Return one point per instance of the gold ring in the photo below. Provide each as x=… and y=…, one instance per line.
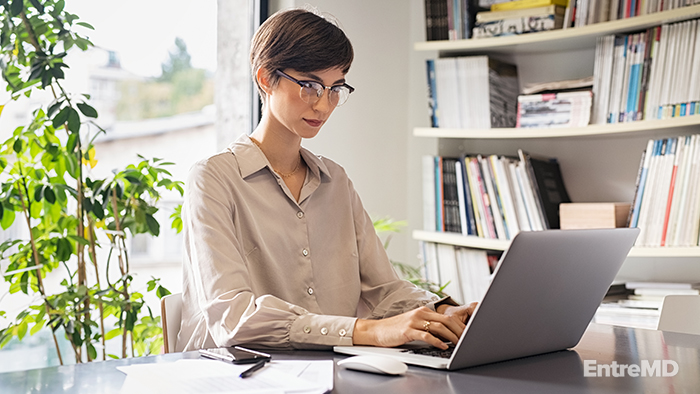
x=426, y=326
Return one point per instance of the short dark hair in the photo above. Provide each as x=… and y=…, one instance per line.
x=300, y=40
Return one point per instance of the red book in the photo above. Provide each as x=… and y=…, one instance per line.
x=670, y=192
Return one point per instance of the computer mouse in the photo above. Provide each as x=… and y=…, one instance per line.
x=375, y=364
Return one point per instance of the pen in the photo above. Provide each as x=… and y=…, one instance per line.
x=248, y=372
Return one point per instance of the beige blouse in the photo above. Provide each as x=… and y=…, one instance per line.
x=261, y=268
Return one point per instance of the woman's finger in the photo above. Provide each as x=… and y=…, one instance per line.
x=442, y=332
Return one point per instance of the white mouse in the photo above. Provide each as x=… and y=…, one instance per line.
x=374, y=364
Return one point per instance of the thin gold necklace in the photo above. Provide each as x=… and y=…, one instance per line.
x=294, y=171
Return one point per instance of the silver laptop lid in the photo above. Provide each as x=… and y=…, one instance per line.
x=545, y=291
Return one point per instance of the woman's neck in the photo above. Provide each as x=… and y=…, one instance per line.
x=281, y=147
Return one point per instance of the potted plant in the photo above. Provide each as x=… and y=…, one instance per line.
x=70, y=218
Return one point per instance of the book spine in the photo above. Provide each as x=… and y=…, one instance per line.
x=432, y=93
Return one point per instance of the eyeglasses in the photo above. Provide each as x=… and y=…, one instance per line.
x=312, y=91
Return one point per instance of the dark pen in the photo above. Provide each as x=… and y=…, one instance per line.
x=248, y=372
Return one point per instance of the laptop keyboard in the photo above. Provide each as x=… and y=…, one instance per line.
x=432, y=352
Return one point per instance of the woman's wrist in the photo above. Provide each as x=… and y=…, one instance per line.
x=361, y=332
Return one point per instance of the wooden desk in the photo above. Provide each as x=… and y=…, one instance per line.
x=560, y=372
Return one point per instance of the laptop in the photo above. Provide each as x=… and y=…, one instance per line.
x=544, y=293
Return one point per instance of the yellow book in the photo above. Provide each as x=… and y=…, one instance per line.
x=521, y=4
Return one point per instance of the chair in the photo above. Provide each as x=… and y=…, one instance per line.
x=680, y=313
x=171, y=314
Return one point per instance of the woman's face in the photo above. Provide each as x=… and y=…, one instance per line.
x=289, y=110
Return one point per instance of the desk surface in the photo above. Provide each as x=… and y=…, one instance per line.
x=560, y=372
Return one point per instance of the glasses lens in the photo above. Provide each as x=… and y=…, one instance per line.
x=311, y=91
x=339, y=95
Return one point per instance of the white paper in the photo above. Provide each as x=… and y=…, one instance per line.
x=212, y=376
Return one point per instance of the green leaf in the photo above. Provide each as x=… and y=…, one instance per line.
x=22, y=328
x=17, y=7
x=79, y=240
x=53, y=108
x=153, y=225
x=38, y=326
x=49, y=195
x=2, y=211
x=38, y=193
x=72, y=142
x=85, y=24
x=64, y=249
x=8, y=218
x=162, y=292
x=98, y=211
x=73, y=120
x=39, y=6
x=61, y=117
x=87, y=110
x=92, y=353
x=17, y=146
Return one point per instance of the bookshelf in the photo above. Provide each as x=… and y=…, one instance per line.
x=500, y=245
x=599, y=162
x=558, y=40
x=667, y=126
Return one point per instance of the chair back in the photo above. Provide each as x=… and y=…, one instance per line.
x=680, y=313
x=171, y=313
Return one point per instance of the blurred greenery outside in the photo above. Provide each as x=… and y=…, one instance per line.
x=181, y=88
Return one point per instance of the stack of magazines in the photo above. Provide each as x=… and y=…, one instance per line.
x=557, y=104
x=520, y=17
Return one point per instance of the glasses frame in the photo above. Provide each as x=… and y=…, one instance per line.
x=303, y=84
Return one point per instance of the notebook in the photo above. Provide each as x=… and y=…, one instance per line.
x=544, y=293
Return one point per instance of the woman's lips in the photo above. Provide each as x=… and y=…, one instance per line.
x=313, y=122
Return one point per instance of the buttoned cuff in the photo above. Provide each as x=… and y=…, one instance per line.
x=322, y=330
x=445, y=300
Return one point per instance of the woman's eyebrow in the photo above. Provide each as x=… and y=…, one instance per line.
x=318, y=79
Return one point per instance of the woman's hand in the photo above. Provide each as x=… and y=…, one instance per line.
x=419, y=324
x=463, y=312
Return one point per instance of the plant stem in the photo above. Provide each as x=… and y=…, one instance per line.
x=30, y=32
x=93, y=255
x=35, y=252
x=125, y=291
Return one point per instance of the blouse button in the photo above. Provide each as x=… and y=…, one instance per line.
x=305, y=252
x=310, y=291
x=342, y=332
x=307, y=329
x=324, y=331
x=300, y=214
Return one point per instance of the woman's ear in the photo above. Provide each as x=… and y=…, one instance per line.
x=264, y=80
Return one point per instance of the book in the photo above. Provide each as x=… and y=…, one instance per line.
x=548, y=184
x=433, y=110
x=586, y=83
x=476, y=92
x=486, y=16
x=520, y=4
x=518, y=25
x=567, y=109
x=429, y=195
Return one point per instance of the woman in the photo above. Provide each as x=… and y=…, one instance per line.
x=279, y=250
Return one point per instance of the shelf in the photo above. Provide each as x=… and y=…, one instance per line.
x=559, y=132
x=500, y=245
x=461, y=240
x=558, y=40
